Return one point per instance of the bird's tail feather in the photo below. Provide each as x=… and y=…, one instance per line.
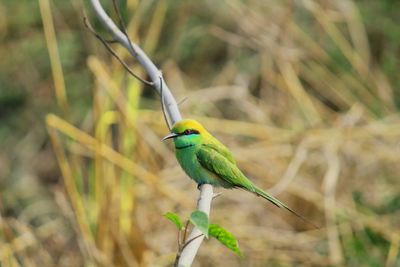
x=276, y=202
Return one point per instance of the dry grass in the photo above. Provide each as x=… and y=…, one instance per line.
x=295, y=97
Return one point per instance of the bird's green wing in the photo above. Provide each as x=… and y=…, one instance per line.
x=219, y=164
x=215, y=162
x=229, y=173
x=221, y=149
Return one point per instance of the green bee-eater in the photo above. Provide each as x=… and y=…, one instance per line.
x=208, y=161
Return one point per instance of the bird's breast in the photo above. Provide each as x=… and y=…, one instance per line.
x=190, y=164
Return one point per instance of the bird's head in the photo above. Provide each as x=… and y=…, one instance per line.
x=186, y=133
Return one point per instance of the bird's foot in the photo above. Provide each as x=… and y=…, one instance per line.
x=198, y=186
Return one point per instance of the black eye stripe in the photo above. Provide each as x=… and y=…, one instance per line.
x=190, y=131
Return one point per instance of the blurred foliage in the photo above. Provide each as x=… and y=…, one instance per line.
x=306, y=93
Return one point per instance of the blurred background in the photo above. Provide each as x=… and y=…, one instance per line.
x=305, y=93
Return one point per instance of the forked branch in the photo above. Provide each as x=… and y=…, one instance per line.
x=169, y=106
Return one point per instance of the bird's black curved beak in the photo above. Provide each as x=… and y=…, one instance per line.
x=169, y=136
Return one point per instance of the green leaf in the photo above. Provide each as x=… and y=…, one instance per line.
x=175, y=219
x=200, y=220
x=225, y=237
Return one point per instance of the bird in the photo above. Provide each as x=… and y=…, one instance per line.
x=207, y=161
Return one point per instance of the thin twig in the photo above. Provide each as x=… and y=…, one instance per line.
x=186, y=230
x=112, y=41
x=191, y=240
x=180, y=239
x=163, y=105
x=182, y=100
x=178, y=255
x=217, y=195
x=112, y=52
x=122, y=26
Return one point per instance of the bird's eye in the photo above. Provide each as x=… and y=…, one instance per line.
x=190, y=131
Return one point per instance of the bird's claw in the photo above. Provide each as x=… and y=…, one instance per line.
x=198, y=186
